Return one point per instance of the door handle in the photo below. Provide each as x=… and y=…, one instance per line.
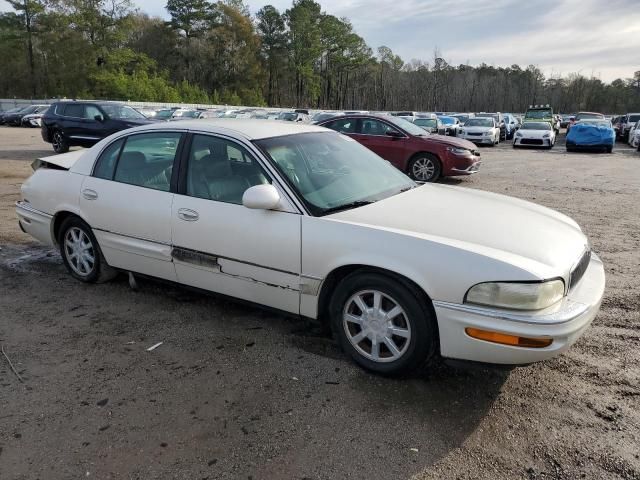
x=89, y=194
x=188, y=215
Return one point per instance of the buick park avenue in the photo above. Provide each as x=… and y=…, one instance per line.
x=308, y=221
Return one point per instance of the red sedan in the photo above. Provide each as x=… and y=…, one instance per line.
x=421, y=155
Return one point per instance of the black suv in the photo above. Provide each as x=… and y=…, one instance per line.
x=84, y=124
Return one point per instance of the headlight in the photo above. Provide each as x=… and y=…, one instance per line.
x=461, y=132
x=546, y=135
x=458, y=151
x=516, y=296
x=519, y=134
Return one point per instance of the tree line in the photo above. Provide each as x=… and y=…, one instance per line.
x=219, y=53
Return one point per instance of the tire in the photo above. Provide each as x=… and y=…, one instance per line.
x=425, y=167
x=60, y=144
x=88, y=265
x=416, y=337
x=609, y=149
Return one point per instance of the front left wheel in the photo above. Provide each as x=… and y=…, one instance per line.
x=81, y=253
x=425, y=168
x=384, y=324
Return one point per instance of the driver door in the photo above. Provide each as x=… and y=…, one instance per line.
x=373, y=135
x=221, y=245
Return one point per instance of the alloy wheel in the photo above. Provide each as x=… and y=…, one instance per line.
x=423, y=169
x=376, y=325
x=79, y=251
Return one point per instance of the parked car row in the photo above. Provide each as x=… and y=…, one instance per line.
x=29, y=116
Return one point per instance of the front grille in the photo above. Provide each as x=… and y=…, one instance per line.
x=474, y=134
x=531, y=141
x=578, y=272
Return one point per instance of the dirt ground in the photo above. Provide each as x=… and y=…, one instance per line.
x=238, y=393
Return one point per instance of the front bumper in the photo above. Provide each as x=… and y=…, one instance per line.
x=477, y=139
x=34, y=222
x=470, y=170
x=565, y=324
x=546, y=142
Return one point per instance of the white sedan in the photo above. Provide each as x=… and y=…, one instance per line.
x=308, y=221
x=481, y=130
x=535, y=134
x=634, y=135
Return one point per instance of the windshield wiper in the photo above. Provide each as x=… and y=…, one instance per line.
x=347, y=206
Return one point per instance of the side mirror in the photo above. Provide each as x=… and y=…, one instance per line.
x=393, y=134
x=261, y=197
x=98, y=118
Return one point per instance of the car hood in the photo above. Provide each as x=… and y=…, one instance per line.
x=535, y=238
x=451, y=141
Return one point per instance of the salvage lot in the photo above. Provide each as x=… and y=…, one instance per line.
x=236, y=392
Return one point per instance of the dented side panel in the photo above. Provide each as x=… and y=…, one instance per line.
x=249, y=254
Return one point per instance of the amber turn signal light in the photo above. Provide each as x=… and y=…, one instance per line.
x=504, y=339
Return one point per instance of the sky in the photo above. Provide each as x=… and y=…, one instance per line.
x=591, y=37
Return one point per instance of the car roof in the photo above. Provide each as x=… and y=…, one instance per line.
x=252, y=129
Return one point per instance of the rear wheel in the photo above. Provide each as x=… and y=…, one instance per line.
x=81, y=253
x=425, y=168
x=383, y=324
x=60, y=144
x=609, y=149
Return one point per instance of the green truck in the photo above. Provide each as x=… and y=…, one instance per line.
x=541, y=113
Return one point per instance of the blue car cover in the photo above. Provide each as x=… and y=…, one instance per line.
x=591, y=134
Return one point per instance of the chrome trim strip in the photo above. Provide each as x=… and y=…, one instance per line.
x=82, y=137
x=29, y=208
x=471, y=169
x=570, y=312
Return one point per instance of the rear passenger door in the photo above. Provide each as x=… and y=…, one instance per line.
x=373, y=135
x=127, y=201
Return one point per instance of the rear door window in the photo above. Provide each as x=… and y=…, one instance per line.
x=106, y=164
x=147, y=160
x=74, y=110
x=343, y=125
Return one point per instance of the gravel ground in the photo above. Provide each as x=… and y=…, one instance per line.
x=238, y=393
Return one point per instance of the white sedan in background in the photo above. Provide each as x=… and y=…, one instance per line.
x=634, y=135
x=481, y=130
x=310, y=222
x=535, y=134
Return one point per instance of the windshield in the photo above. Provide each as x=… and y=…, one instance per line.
x=496, y=117
x=582, y=116
x=447, y=120
x=407, y=126
x=462, y=118
x=633, y=118
x=290, y=116
x=164, y=114
x=319, y=117
x=122, y=111
x=426, y=122
x=539, y=114
x=596, y=122
x=330, y=171
x=479, y=122
x=191, y=114
x=536, y=126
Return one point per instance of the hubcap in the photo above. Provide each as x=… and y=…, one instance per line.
x=423, y=169
x=79, y=251
x=376, y=325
